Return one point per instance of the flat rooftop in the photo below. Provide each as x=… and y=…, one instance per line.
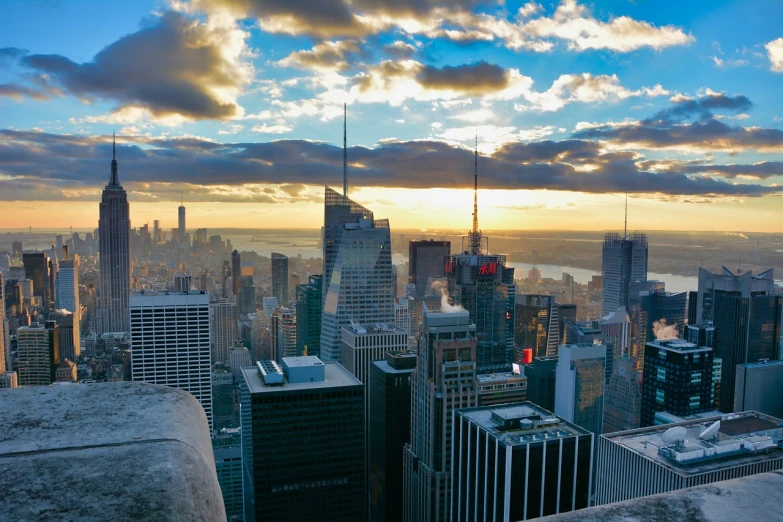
x=678, y=345
x=499, y=378
x=731, y=446
x=336, y=377
x=388, y=368
x=521, y=423
x=377, y=328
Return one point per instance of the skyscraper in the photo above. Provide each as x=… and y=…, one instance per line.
x=677, y=379
x=358, y=281
x=181, y=221
x=759, y=387
x=308, y=316
x=227, y=448
x=518, y=462
x=390, y=430
x=36, y=269
x=579, y=390
x=285, y=334
x=481, y=283
x=236, y=274
x=303, y=424
x=623, y=401
x=115, y=269
x=224, y=329
x=444, y=380
x=623, y=261
x=70, y=341
x=536, y=321
x=426, y=261
x=38, y=349
x=746, y=315
x=280, y=277
x=170, y=335
x=541, y=376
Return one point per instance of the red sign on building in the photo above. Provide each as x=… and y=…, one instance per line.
x=527, y=355
x=488, y=268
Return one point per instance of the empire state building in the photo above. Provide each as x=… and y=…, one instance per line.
x=115, y=269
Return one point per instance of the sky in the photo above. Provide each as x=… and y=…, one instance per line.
x=236, y=107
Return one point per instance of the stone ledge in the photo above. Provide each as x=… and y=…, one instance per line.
x=108, y=451
x=755, y=497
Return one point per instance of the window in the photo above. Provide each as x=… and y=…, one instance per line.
x=661, y=374
x=659, y=396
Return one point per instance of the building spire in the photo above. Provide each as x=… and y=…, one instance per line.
x=625, y=228
x=345, y=150
x=475, y=235
x=114, y=181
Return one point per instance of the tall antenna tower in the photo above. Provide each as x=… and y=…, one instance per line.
x=345, y=150
x=475, y=235
x=625, y=227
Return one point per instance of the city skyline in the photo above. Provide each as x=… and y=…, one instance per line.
x=246, y=126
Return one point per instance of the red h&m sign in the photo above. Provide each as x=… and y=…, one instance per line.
x=489, y=268
x=527, y=355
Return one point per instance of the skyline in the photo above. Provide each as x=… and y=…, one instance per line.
x=236, y=107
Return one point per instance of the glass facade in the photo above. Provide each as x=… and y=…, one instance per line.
x=308, y=317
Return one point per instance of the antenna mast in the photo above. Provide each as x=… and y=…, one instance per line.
x=625, y=228
x=474, y=238
x=345, y=150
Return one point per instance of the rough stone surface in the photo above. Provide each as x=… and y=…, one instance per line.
x=106, y=451
x=756, y=497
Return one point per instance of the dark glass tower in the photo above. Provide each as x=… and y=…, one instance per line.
x=308, y=317
x=426, y=260
x=115, y=267
x=623, y=261
x=280, y=278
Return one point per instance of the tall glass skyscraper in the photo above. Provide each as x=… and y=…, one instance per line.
x=426, y=260
x=280, y=278
x=115, y=268
x=623, y=261
x=308, y=317
x=358, y=279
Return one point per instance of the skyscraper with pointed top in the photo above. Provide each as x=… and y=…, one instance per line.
x=181, y=220
x=484, y=286
x=358, y=283
x=115, y=269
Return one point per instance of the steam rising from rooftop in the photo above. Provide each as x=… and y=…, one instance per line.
x=663, y=331
x=440, y=287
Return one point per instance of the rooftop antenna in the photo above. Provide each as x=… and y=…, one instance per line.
x=345, y=150
x=475, y=236
x=114, y=181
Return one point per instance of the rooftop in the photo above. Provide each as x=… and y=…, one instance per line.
x=742, y=438
x=521, y=423
x=498, y=378
x=678, y=345
x=335, y=377
x=123, y=451
x=377, y=328
x=763, y=363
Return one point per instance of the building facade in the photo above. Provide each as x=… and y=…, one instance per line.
x=541, y=376
x=426, y=262
x=389, y=431
x=444, y=380
x=518, y=462
x=759, y=387
x=280, y=278
x=285, y=334
x=225, y=329
x=305, y=424
x=38, y=352
x=579, y=390
x=623, y=261
x=657, y=459
x=170, y=342
x=308, y=316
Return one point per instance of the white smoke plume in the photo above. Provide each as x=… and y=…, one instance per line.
x=662, y=331
x=440, y=287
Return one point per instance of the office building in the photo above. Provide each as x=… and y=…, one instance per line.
x=36, y=269
x=746, y=315
x=759, y=387
x=223, y=413
x=426, y=262
x=115, y=267
x=444, y=380
x=68, y=284
x=5, y=363
x=484, y=286
x=280, y=277
x=239, y=357
x=518, y=462
x=541, y=376
x=8, y=380
x=677, y=379
x=389, y=431
x=236, y=273
x=183, y=283
x=623, y=261
x=285, y=334
x=358, y=280
x=580, y=332
x=70, y=342
x=616, y=335
x=623, y=400
x=308, y=316
x=536, y=321
x=224, y=329
x=579, y=391
x=38, y=352
x=227, y=448
x=658, y=459
x=501, y=388
x=402, y=316
x=181, y=222
x=65, y=371
x=170, y=337
x=306, y=434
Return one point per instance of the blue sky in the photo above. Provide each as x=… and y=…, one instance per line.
x=237, y=105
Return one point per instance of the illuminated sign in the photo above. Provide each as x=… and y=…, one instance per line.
x=527, y=355
x=449, y=267
x=488, y=268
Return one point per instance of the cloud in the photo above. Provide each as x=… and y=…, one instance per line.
x=271, y=129
x=399, y=49
x=176, y=66
x=479, y=78
x=38, y=164
x=18, y=92
x=329, y=56
x=775, y=54
x=531, y=28
x=9, y=55
x=672, y=128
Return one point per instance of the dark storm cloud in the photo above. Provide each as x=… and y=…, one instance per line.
x=168, y=68
x=9, y=55
x=479, y=78
x=701, y=108
x=82, y=164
